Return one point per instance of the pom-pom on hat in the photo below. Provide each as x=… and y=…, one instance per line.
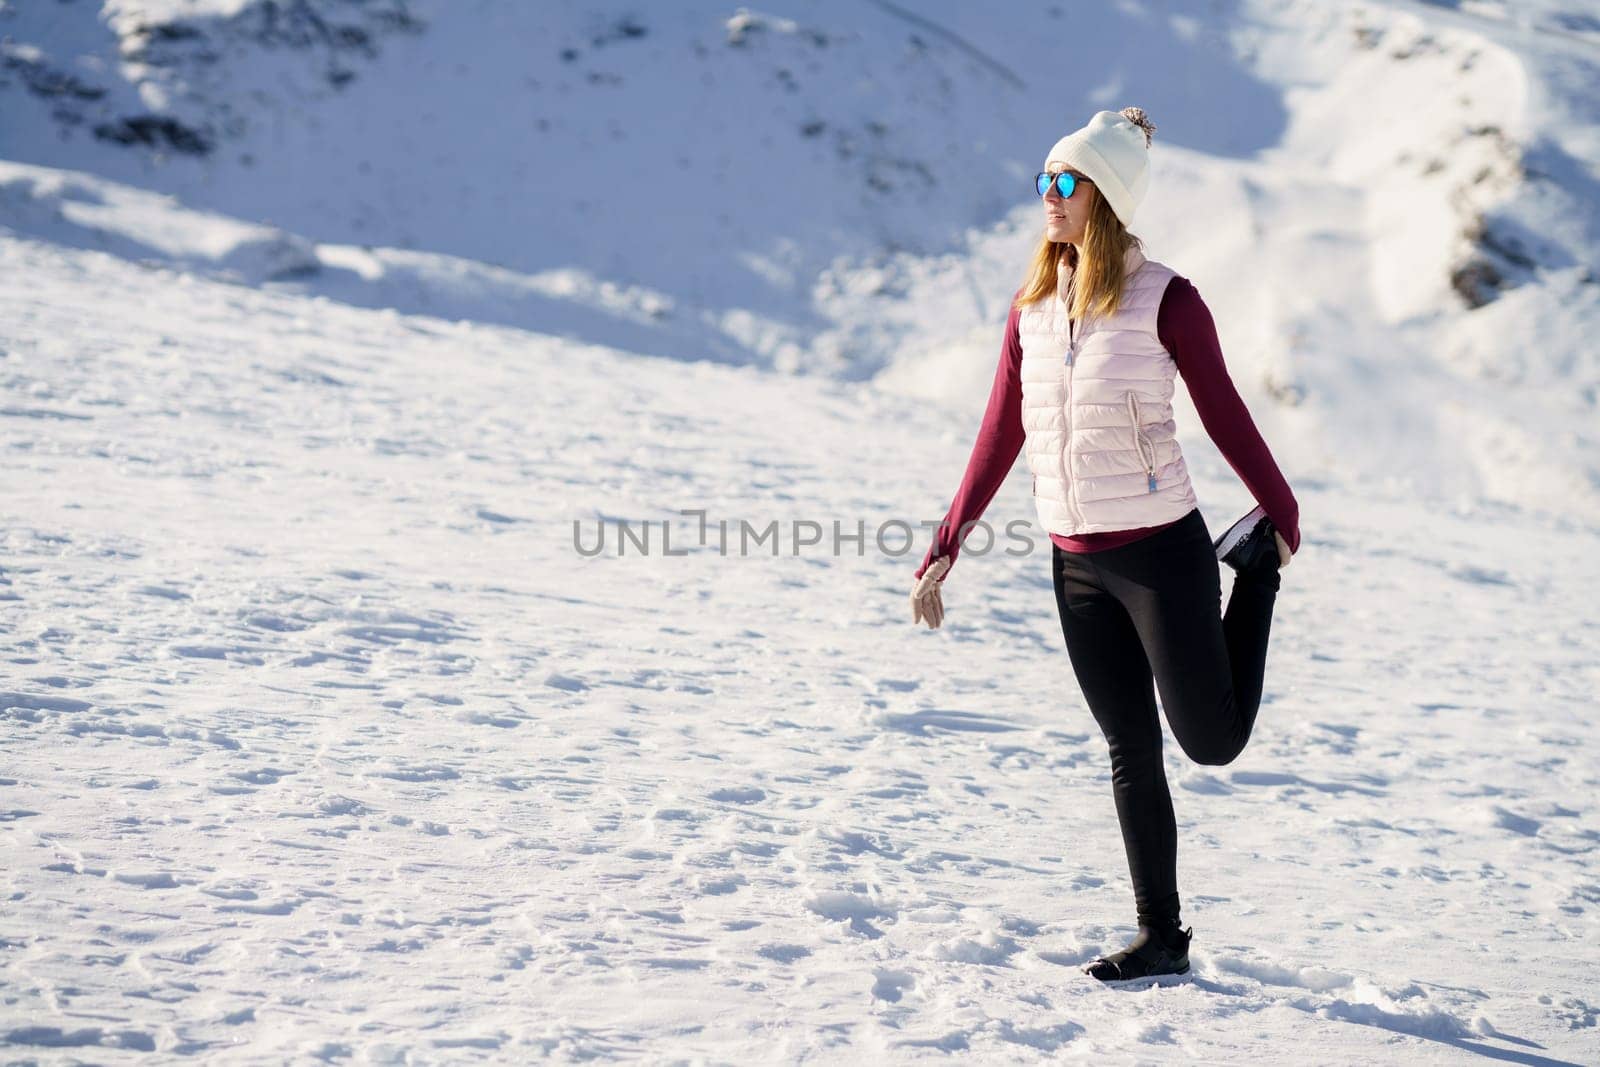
x=1113, y=151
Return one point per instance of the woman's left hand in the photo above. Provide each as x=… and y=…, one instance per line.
x=1284, y=555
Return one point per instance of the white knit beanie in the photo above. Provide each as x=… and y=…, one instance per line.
x=1113, y=151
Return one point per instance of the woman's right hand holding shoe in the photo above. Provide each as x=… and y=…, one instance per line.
x=927, y=602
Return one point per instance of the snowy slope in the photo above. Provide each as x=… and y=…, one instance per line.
x=1409, y=189
x=321, y=741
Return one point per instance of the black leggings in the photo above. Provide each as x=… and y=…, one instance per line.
x=1149, y=611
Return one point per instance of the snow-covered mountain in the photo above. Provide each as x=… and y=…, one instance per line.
x=1390, y=206
x=323, y=321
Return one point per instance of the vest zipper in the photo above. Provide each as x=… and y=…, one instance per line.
x=1141, y=443
x=1066, y=417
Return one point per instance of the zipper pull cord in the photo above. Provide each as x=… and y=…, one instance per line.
x=1066, y=300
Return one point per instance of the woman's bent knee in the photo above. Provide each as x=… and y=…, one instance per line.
x=1218, y=752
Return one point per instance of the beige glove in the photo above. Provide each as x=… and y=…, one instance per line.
x=927, y=602
x=1284, y=555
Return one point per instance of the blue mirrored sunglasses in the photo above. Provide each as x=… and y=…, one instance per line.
x=1065, y=183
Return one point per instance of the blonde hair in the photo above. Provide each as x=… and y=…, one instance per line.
x=1099, y=266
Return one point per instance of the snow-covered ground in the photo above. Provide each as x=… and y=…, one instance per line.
x=320, y=739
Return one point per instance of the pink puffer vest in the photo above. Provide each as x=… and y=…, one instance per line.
x=1097, y=409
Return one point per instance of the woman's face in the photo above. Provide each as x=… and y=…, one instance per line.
x=1064, y=220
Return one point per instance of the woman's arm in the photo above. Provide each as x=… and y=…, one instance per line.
x=1187, y=330
x=999, y=440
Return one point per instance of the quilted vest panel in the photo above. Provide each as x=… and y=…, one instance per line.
x=1097, y=410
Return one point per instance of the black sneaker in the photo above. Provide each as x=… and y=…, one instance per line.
x=1249, y=545
x=1147, y=955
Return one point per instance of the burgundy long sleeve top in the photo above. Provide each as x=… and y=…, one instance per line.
x=1187, y=331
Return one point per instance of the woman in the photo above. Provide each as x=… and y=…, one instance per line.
x=1094, y=340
